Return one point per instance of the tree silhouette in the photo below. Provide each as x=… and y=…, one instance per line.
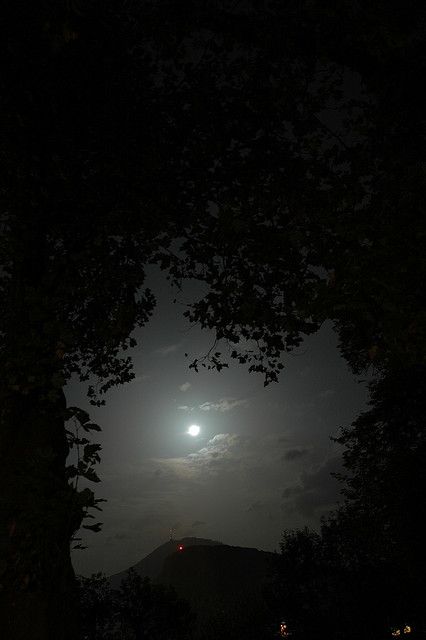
x=139, y=609
x=364, y=573
x=384, y=486
x=98, y=606
x=323, y=595
x=152, y=611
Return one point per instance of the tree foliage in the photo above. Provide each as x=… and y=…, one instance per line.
x=363, y=574
x=138, y=610
x=86, y=456
x=219, y=131
x=384, y=488
x=333, y=225
x=321, y=597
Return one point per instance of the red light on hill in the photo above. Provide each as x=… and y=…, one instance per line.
x=180, y=547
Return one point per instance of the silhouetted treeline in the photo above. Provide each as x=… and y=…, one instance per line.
x=138, y=610
x=364, y=574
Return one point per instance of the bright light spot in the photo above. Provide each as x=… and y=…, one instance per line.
x=194, y=430
x=180, y=547
x=407, y=628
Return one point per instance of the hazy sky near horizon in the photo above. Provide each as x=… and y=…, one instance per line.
x=261, y=462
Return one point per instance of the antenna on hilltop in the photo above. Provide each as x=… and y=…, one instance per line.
x=171, y=534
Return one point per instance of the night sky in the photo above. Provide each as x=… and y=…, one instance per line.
x=261, y=462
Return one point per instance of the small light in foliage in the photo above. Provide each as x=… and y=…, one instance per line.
x=396, y=633
x=284, y=632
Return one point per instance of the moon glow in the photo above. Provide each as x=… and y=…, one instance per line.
x=194, y=430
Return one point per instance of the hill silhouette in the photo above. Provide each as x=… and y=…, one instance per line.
x=223, y=584
x=152, y=565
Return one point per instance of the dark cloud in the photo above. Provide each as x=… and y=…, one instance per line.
x=122, y=535
x=168, y=349
x=292, y=490
x=256, y=507
x=316, y=493
x=148, y=519
x=295, y=454
x=327, y=393
x=198, y=523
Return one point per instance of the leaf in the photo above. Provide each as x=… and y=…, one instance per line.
x=91, y=451
x=91, y=426
x=75, y=412
x=93, y=527
x=71, y=472
x=91, y=475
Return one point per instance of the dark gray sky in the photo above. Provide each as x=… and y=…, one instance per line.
x=261, y=462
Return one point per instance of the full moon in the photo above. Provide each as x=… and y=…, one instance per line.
x=194, y=430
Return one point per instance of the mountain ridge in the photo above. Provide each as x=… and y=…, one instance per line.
x=151, y=565
x=225, y=586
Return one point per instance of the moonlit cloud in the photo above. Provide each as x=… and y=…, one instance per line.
x=168, y=349
x=224, y=404
x=327, y=393
x=184, y=387
x=220, y=455
x=138, y=379
x=221, y=446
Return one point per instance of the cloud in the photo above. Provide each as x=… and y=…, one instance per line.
x=327, y=393
x=185, y=386
x=141, y=378
x=317, y=492
x=224, y=404
x=256, y=507
x=220, y=446
x=168, y=349
x=198, y=523
x=121, y=535
x=295, y=454
x=220, y=456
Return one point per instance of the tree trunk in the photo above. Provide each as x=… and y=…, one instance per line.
x=38, y=598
